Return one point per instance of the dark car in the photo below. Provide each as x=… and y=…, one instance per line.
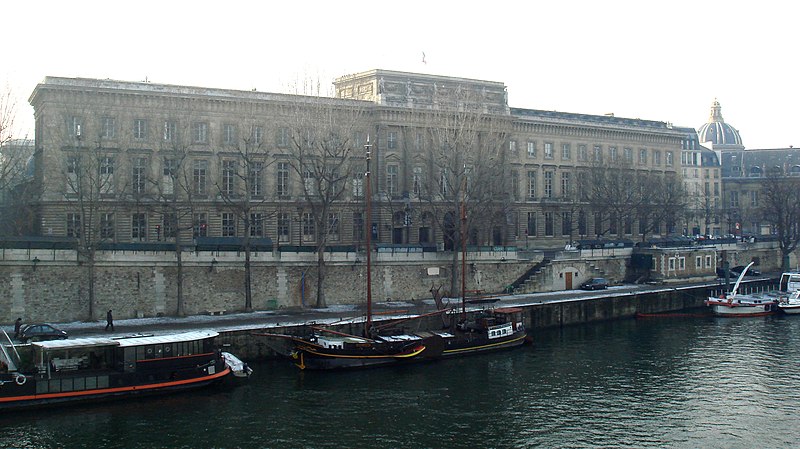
x=595, y=284
x=736, y=271
x=40, y=332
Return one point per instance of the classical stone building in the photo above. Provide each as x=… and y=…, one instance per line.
x=131, y=131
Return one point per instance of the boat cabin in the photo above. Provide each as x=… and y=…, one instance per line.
x=790, y=282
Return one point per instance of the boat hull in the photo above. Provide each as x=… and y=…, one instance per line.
x=738, y=308
x=28, y=394
x=480, y=344
x=790, y=309
x=314, y=358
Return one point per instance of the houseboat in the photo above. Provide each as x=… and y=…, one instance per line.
x=54, y=372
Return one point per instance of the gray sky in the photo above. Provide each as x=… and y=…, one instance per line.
x=663, y=61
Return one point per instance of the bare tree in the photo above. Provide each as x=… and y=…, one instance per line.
x=174, y=194
x=242, y=188
x=16, y=192
x=91, y=185
x=781, y=208
x=320, y=132
x=466, y=187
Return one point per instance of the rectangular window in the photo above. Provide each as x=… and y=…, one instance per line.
x=531, y=226
x=358, y=226
x=531, y=184
x=282, y=138
x=681, y=263
x=514, y=185
x=391, y=180
x=199, y=176
x=106, y=174
x=548, y=184
x=169, y=224
x=531, y=149
x=200, y=225
x=258, y=136
x=200, y=132
x=566, y=151
x=139, y=174
x=75, y=126
x=612, y=154
x=309, y=230
x=170, y=130
x=548, y=224
x=657, y=157
x=257, y=225
x=443, y=187
x=548, y=150
x=582, y=226
x=229, y=134
x=228, y=177
x=754, y=198
x=255, y=179
x=73, y=225
x=642, y=156
x=391, y=140
x=284, y=235
x=140, y=129
x=309, y=185
x=416, y=181
x=107, y=226
x=228, y=224
x=598, y=154
x=668, y=159
x=333, y=227
x=708, y=261
x=168, y=171
x=698, y=262
x=108, y=128
x=566, y=184
x=671, y=264
x=628, y=155
x=734, y=199
x=583, y=153
x=566, y=223
x=358, y=185
x=138, y=227
x=282, y=181
x=512, y=146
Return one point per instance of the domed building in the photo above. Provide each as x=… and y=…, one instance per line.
x=717, y=134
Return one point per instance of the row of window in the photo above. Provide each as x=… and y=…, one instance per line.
x=164, y=226
x=597, y=155
x=168, y=131
x=579, y=225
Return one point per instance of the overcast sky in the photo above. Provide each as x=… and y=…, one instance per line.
x=664, y=61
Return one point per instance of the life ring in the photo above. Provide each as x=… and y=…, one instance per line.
x=20, y=380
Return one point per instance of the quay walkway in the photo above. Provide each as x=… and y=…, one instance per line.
x=340, y=314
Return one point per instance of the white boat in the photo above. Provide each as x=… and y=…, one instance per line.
x=790, y=304
x=736, y=305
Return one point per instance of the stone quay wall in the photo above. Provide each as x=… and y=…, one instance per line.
x=51, y=285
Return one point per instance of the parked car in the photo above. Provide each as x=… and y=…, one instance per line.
x=595, y=284
x=737, y=270
x=40, y=332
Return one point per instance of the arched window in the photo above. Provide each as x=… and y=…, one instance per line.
x=755, y=172
x=795, y=171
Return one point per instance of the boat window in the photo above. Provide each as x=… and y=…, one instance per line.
x=159, y=351
x=148, y=352
x=168, y=350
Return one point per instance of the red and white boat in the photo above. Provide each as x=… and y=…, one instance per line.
x=736, y=305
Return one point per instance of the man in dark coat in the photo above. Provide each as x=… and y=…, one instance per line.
x=17, y=326
x=109, y=320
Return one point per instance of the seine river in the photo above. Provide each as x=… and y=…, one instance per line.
x=667, y=382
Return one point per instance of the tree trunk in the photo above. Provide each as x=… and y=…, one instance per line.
x=321, y=277
x=248, y=293
x=179, y=274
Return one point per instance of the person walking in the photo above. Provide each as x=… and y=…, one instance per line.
x=109, y=320
x=17, y=326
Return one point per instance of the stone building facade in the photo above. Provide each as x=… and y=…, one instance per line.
x=136, y=125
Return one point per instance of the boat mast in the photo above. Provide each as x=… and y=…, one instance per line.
x=464, y=243
x=368, y=195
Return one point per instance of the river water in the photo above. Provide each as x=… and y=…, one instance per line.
x=667, y=382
